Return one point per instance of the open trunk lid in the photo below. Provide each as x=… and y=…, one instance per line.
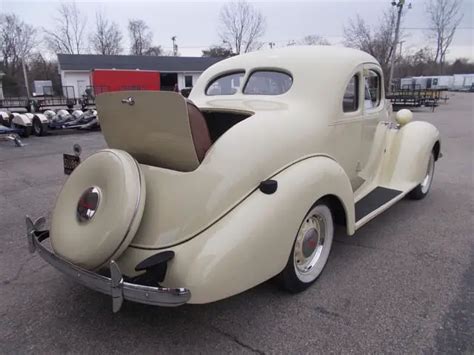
x=153, y=126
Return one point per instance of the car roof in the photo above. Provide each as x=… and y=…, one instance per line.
x=294, y=56
x=319, y=68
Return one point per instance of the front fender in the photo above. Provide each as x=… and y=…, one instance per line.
x=409, y=154
x=253, y=241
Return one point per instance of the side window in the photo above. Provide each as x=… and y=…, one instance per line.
x=350, y=102
x=373, y=89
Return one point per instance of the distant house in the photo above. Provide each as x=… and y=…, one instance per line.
x=75, y=69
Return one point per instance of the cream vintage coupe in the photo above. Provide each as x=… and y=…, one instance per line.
x=198, y=200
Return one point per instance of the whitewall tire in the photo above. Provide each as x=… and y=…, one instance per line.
x=310, y=250
x=423, y=188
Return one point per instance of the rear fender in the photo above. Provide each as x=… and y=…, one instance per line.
x=41, y=117
x=21, y=119
x=253, y=241
x=4, y=118
x=409, y=152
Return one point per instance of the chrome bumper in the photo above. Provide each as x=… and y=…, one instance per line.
x=114, y=286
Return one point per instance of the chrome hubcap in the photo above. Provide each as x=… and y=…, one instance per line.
x=88, y=204
x=426, y=183
x=309, y=243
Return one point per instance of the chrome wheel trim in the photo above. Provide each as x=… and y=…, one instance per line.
x=426, y=183
x=313, y=243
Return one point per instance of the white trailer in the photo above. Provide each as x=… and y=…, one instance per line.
x=442, y=82
x=463, y=82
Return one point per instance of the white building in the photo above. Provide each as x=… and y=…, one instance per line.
x=75, y=69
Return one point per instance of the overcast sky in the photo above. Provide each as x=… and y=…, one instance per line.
x=195, y=23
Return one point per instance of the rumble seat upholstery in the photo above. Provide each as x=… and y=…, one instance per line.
x=199, y=130
x=157, y=128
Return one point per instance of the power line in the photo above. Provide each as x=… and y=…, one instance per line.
x=432, y=28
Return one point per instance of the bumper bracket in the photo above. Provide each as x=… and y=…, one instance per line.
x=114, y=286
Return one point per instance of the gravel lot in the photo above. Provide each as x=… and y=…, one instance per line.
x=403, y=284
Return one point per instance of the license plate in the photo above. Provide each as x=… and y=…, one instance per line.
x=71, y=162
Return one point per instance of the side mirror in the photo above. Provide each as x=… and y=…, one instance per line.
x=403, y=117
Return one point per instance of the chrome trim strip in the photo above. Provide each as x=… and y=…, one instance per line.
x=114, y=286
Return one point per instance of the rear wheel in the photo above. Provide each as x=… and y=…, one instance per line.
x=423, y=188
x=25, y=130
x=38, y=128
x=310, y=250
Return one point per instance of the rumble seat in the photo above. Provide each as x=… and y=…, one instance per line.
x=199, y=130
x=157, y=128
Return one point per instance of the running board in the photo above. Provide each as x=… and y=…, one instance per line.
x=376, y=201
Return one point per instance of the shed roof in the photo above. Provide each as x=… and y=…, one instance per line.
x=160, y=63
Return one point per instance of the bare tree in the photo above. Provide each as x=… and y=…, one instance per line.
x=217, y=51
x=41, y=68
x=140, y=37
x=444, y=18
x=315, y=40
x=241, y=26
x=17, y=41
x=107, y=38
x=68, y=34
x=377, y=41
x=154, y=51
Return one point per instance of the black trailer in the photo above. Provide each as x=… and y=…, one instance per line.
x=414, y=96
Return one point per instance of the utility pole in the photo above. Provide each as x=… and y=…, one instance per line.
x=398, y=4
x=25, y=77
x=175, y=46
x=401, y=47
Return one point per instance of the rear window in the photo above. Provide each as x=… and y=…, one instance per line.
x=225, y=85
x=268, y=83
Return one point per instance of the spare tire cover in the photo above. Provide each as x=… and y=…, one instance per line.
x=99, y=209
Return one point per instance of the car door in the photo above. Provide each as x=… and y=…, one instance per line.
x=346, y=129
x=373, y=129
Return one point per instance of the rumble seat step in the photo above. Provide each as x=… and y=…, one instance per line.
x=373, y=200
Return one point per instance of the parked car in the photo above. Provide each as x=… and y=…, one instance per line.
x=196, y=201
